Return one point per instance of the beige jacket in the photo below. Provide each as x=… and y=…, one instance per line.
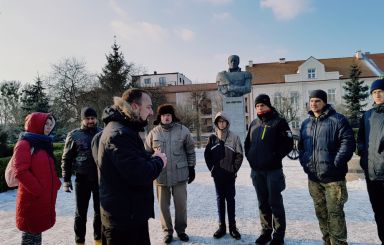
x=176, y=142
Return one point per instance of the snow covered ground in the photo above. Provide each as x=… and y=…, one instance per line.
x=302, y=226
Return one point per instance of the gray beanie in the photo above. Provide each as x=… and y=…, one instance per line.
x=318, y=93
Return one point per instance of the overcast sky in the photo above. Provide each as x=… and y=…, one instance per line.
x=193, y=37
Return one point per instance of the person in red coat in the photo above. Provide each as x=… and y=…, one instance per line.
x=38, y=182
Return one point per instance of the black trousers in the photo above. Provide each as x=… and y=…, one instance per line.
x=376, y=196
x=225, y=192
x=84, y=187
x=133, y=234
x=268, y=186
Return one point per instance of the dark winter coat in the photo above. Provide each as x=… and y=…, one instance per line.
x=326, y=145
x=223, y=156
x=268, y=141
x=371, y=143
x=126, y=172
x=77, y=154
x=38, y=182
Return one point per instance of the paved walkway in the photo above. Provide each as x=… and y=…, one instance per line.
x=302, y=226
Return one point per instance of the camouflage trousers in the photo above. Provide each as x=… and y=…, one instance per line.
x=329, y=200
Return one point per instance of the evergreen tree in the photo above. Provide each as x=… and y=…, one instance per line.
x=34, y=99
x=355, y=94
x=116, y=73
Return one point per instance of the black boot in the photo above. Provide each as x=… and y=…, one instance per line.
x=168, y=238
x=234, y=232
x=263, y=239
x=220, y=232
x=277, y=241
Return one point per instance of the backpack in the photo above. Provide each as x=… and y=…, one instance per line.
x=10, y=175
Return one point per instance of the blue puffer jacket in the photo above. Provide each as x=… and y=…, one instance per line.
x=371, y=143
x=326, y=145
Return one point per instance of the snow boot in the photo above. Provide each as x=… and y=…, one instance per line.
x=277, y=241
x=220, y=232
x=263, y=239
x=183, y=237
x=168, y=238
x=234, y=232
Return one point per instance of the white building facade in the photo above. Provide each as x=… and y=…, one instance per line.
x=162, y=79
x=310, y=75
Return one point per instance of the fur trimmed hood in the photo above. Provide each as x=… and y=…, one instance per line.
x=126, y=109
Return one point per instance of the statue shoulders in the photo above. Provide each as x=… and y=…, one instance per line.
x=247, y=74
x=222, y=73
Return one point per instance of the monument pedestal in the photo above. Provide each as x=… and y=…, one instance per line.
x=235, y=109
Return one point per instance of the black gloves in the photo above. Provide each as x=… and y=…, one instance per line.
x=191, y=175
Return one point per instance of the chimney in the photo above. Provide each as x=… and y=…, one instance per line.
x=155, y=73
x=282, y=60
x=250, y=63
x=359, y=55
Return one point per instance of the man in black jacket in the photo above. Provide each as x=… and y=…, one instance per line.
x=268, y=141
x=127, y=171
x=77, y=157
x=326, y=145
x=371, y=149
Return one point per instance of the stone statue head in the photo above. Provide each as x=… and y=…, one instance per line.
x=233, y=62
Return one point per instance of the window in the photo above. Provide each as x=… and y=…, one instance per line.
x=295, y=99
x=277, y=99
x=162, y=81
x=331, y=96
x=295, y=124
x=147, y=81
x=311, y=73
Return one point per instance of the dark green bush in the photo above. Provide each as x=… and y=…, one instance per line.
x=3, y=164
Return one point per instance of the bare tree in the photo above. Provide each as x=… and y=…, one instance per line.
x=187, y=115
x=10, y=103
x=196, y=98
x=287, y=106
x=67, y=82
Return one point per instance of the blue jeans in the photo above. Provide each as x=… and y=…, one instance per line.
x=225, y=192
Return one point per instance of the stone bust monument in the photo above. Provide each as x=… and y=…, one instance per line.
x=234, y=82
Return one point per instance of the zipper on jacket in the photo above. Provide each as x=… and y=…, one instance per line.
x=263, y=134
x=314, y=145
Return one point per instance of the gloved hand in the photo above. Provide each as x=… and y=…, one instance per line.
x=67, y=186
x=191, y=175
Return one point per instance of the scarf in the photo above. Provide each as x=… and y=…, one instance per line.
x=167, y=126
x=38, y=142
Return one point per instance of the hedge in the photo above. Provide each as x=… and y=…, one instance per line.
x=58, y=152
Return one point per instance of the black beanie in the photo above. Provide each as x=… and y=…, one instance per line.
x=263, y=98
x=318, y=93
x=378, y=84
x=88, y=112
x=165, y=109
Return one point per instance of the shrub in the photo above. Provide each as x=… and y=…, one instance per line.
x=58, y=152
